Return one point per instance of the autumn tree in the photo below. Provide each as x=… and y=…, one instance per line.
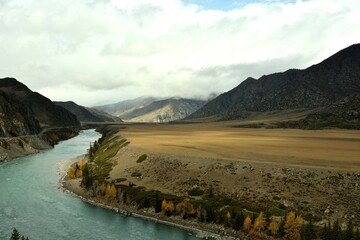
x=228, y=218
x=292, y=226
x=185, y=209
x=274, y=226
x=258, y=227
x=111, y=191
x=247, y=224
x=167, y=208
x=75, y=171
x=103, y=188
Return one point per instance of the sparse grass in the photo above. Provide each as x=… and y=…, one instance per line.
x=141, y=158
x=109, y=147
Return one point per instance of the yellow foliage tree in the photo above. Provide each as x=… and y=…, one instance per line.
x=71, y=173
x=111, y=191
x=167, y=208
x=258, y=228
x=247, y=224
x=292, y=227
x=228, y=216
x=103, y=188
x=75, y=171
x=274, y=226
x=78, y=171
x=81, y=163
x=185, y=208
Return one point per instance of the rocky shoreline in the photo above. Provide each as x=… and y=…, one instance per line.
x=15, y=147
x=200, y=230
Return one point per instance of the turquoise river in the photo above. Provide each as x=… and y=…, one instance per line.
x=32, y=202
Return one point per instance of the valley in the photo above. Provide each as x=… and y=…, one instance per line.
x=314, y=173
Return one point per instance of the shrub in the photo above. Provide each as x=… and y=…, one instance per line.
x=196, y=192
x=141, y=158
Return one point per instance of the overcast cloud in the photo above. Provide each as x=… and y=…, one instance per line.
x=102, y=51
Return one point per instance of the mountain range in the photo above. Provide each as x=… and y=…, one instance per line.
x=85, y=114
x=150, y=109
x=314, y=88
x=41, y=108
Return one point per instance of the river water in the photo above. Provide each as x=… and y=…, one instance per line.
x=32, y=202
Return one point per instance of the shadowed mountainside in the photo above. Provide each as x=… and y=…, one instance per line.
x=85, y=114
x=320, y=85
x=15, y=119
x=43, y=109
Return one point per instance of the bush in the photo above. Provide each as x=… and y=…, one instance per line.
x=196, y=192
x=118, y=180
x=136, y=174
x=313, y=218
x=142, y=158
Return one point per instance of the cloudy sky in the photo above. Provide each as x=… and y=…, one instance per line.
x=103, y=51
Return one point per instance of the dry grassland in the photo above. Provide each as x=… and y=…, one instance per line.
x=333, y=149
x=311, y=172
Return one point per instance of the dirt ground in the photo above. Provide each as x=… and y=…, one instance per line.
x=312, y=172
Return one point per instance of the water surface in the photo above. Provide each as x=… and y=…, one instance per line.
x=31, y=201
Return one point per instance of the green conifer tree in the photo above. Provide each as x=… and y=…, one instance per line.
x=15, y=235
x=326, y=232
x=349, y=232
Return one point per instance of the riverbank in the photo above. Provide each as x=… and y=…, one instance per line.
x=15, y=147
x=200, y=230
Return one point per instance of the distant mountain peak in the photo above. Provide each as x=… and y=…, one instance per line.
x=152, y=109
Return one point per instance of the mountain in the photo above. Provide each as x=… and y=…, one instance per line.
x=44, y=110
x=150, y=109
x=315, y=87
x=165, y=110
x=15, y=119
x=344, y=113
x=122, y=109
x=85, y=114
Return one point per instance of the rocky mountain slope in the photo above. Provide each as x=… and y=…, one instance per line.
x=24, y=114
x=153, y=110
x=344, y=113
x=165, y=110
x=15, y=119
x=43, y=109
x=124, y=108
x=85, y=114
x=315, y=87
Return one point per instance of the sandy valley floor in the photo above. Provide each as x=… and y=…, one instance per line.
x=315, y=172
